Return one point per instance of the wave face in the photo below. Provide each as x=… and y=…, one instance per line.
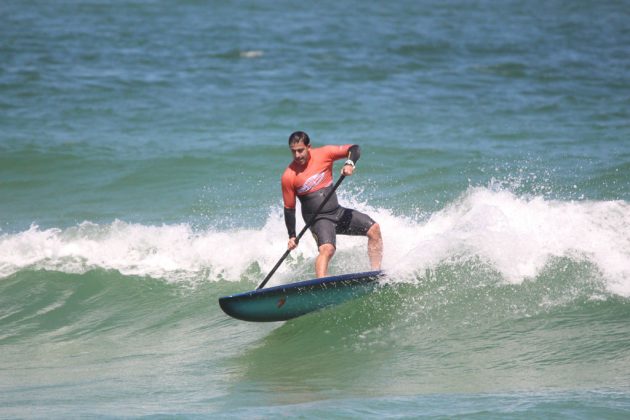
x=495, y=293
x=457, y=326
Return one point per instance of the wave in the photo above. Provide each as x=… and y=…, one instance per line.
x=520, y=236
x=485, y=232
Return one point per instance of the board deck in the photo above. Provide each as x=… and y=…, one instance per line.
x=280, y=303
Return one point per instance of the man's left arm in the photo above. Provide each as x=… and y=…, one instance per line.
x=354, y=152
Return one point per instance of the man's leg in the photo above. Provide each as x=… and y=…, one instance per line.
x=324, y=233
x=353, y=222
x=326, y=251
x=375, y=246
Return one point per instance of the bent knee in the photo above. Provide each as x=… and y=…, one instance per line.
x=327, y=249
x=374, y=232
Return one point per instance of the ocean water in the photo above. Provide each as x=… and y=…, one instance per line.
x=141, y=148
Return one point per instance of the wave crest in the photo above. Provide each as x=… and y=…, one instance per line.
x=517, y=236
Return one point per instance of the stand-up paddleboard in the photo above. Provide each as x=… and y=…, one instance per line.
x=288, y=301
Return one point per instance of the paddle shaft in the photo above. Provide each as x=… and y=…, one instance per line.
x=310, y=222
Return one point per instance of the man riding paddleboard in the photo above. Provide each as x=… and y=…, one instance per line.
x=309, y=178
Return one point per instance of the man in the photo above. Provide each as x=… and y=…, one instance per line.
x=310, y=178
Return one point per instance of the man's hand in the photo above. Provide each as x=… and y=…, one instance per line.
x=347, y=170
x=293, y=243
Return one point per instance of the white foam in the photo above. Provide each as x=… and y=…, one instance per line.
x=515, y=235
x=518, y=236
x=251, y=54
x=174, y=252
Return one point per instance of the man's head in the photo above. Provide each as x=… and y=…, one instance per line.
x=300, y=146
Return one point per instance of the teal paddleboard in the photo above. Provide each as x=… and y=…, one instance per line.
x=280, y=303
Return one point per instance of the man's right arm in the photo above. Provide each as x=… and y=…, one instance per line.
x=289, y=220
x=288, y=196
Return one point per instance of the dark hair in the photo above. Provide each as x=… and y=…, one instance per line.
x=299, y=136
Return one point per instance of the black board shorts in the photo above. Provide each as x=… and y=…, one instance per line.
x=342, y=221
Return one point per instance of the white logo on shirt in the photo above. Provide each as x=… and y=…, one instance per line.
x=311, y=182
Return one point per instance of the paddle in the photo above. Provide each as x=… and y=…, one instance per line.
x=310, y=222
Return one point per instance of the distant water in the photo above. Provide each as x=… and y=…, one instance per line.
x=141, y=147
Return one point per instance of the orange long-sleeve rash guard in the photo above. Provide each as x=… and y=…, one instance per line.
x=300, y=180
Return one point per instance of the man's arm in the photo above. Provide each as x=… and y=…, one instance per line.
x=354, y=152
x=288, y=196
x=289, y=220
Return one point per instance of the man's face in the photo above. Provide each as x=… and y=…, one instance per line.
x=301, y=152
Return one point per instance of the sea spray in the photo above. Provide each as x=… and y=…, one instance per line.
x=518, y=236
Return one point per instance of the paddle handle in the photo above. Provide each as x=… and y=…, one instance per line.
x=310, y=222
